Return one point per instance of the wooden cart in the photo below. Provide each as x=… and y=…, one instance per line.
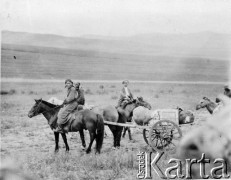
x=162, y=133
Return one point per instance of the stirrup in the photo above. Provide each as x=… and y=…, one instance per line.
x=58, y=129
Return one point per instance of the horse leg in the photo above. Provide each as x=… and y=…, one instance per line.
x=92, y=138
x=114, y=138
x=81, y=133
x=65, y=141
x=113, y=130
x=129, y=133
x=56, y=141
x=118, y=136
x=124, y=132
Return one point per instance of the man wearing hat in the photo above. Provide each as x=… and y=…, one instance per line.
x=70, y=104
x=80, y=98
x=125, y=95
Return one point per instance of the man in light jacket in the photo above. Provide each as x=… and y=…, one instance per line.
x=125, y=95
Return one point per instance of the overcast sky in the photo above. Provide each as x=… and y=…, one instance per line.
x=115, y=17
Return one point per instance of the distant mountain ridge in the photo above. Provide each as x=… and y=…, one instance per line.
x=203, y=44
x=146, y=57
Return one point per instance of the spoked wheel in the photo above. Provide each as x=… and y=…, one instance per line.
x=146, y=135
x=164, y=135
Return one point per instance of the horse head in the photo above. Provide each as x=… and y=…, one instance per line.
x=36, y=108
x=203, y=103
x=42, y=106
x=143, y=103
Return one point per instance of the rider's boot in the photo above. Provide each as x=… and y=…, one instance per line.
x=58, y=129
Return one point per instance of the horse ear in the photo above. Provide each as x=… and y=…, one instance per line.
x=36, y=100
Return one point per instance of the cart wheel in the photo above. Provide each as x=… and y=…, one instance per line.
x=146, y=135
x=164, y=135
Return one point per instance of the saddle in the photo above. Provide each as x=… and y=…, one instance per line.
x=67, y=127
x=124, y=103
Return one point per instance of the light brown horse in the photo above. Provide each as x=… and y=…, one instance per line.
x=144, y=106
x=119, y=115
x=208, y=104
x=79, y=120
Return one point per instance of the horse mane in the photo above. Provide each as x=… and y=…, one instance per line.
x=144, y=103
x=49, y=104
x=130, y=102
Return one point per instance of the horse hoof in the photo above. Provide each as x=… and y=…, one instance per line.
x=88, y=151
x=97, y=152
x=82, y=147
x=113, y=148
x=56, y=151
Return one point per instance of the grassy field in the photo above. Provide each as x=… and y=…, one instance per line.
x=57, y=63
x=30, y=142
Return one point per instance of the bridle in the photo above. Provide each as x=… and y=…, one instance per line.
x=37, y=107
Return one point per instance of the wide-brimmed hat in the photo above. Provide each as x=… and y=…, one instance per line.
x=68, y=80
x=125, y=82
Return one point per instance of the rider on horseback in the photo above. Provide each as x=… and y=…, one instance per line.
x=125, y=95
x=70, y=104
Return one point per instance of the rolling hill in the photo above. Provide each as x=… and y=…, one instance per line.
x=188, y=57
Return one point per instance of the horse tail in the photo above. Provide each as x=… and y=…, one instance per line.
x=99, y=133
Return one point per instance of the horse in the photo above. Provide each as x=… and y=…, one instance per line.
x=118, y=115
x=79, y=120
x=185, y=117
x=146, y=106
x=211, y=106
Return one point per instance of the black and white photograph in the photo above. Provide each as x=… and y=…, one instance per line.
x=115, y=89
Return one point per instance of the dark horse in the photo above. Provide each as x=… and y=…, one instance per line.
x=110, y=113
x=79, y=120
x=143, y=103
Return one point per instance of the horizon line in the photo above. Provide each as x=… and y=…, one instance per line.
x=22, y=80
x=115, y=36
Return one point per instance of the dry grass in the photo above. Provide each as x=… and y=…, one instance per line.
x=30, y=142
